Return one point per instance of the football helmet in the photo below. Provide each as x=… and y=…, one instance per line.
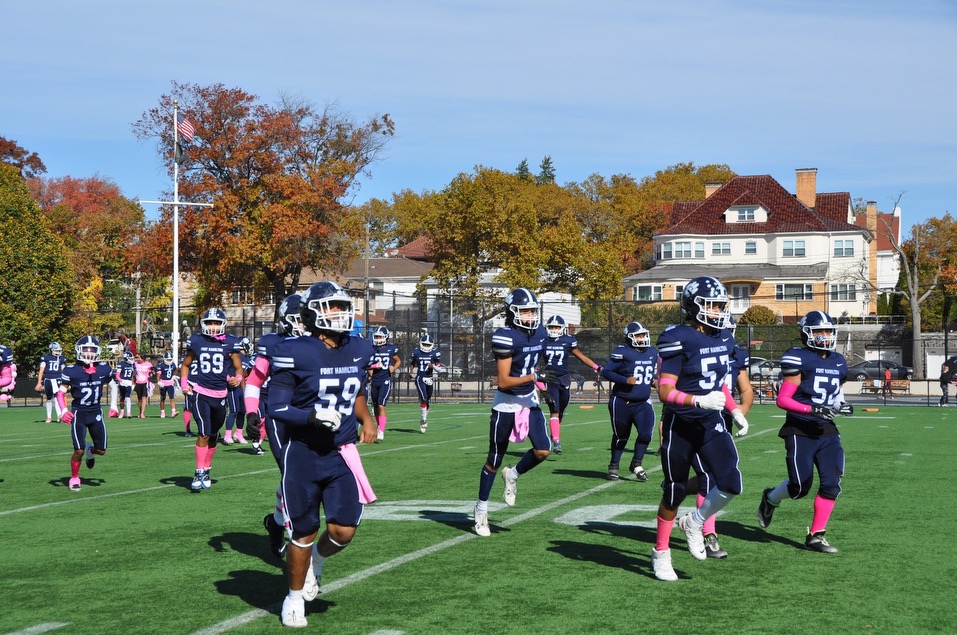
x=326, y=307
x=706, y=300
x=637, y=335
x=519, y=300
x=88, y=349
x=380, y=336
x=55, y=348
x=819, y=331
x=213, y=322
x=168, y=357
x=426, y=343
x=246, y=346
x=128, y=357
x=290, y=321
x=555, y=326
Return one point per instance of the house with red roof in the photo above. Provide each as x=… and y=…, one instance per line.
x=792, y=253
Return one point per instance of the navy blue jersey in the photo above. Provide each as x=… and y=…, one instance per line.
x=423, y=361
x=821, y=381
x=558, y=353
x=740, y=360
x=264, y=347
x=125, y=371
x=247, y=364
x=6, y=355
x=628, y=361
x=165, y=372
x=524, y=349
x=52, y=365
x=86, y=388
x=701, y=362
x=383, y=355
x=306, y=373
x=213, y=359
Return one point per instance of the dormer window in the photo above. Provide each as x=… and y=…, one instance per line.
x=746, y=214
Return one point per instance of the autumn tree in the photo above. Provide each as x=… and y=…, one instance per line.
x=27, y=163
x=279, y=178
x=36, y=285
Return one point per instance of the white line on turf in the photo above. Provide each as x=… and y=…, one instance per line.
x=41, y=628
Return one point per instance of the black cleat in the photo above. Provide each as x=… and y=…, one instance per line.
x=612, y=471
x=712, y=549
x=277, y=536
x=817, y=542
x=765, y=509
x=90, y=457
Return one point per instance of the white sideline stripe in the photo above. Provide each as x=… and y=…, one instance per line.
x=41, y=628
x=359, y=576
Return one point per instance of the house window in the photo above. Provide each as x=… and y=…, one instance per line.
x=648, y=293
x=783, y=292
x=699, y=250
x=750, y=248
x=843, y=293
x=720, y=249
x=666, y=251
x=746, y=214
x=682, y=249
x=794, y=248
x=843, y=248
x=679, y=289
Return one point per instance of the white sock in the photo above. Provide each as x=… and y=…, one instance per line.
x=49, y=409
x=779, y=493
x=712, y=504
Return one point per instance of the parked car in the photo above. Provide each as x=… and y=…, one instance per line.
x=765, y=370
x=874, y=369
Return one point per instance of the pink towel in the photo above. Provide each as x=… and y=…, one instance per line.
x=351, y=456
x=520, y=429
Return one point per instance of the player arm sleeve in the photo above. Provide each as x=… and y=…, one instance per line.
x=786, y=400
x=729, y=403
x=60, y=400
x=610, y=372
x=254, y=382
x=278, y=403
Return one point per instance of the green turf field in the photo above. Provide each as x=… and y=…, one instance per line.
x=136, y=552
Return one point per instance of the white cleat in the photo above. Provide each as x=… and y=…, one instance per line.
x=294, y=613
x=481, y=523
x=693, y=535
x=511, y=488
x=661, y=563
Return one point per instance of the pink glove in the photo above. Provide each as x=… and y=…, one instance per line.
x=67, y=417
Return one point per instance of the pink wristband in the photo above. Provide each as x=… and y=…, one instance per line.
x=676, y=396
x=184, y=384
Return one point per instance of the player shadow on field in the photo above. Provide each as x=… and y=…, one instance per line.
x=249, y=584
x=630, y=561
x=85, y=482
x=177, y=433
x=601, y=475
x=750, y=533
x=457, y=520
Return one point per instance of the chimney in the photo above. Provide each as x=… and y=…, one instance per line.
x=807, y=186
x=711, y=188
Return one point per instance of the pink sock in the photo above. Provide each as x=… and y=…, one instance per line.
x=228, y=436
x=381, y=422
x=239, y=434
x=663, y=539
x=209, y=457
x=74, y=468
x=709, y=521
x=200, y=457
x=822, y=512
x=554, y=426
x=187, y=415
x=262, y=431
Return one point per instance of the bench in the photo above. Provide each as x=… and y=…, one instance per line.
x=876, y=386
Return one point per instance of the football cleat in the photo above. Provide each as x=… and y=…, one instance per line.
x=277, y=536
x=557, y=447
x=90, y=457
x=75, y=484
x=765, y=509
x=423, y=427
x=240, y=440
x=162, y=414
x=379, y=436
x=258, y=449
x=187, y=434
x=197, y=484
x=612, y=471
x=661, y=563
x=207, y=482
x=511, y=487
x=481, y=523
x=294, y=613
x=639, y=472
x=692, y=532
x=817, y=542
x=713, y=549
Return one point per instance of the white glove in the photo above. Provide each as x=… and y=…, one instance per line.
x=712, y=401
x=322, y=417
x=740, y=421
x=427, y=381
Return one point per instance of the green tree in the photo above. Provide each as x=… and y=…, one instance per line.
x=546, y=172
x=758, y=314
x=279, y=178
x=36, y=292
x=523, y=172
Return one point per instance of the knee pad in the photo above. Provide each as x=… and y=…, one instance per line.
x=830, y=492
x=674, y=494
x=797, y=492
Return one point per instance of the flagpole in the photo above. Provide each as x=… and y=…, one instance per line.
x=176, y=326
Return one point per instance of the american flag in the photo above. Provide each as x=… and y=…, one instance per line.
x=186, y=129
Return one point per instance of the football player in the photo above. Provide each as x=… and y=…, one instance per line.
x=215, y=351
x=316, y=391
x=48, y=380
x=8, y=373
x=558, y=348
x=165, y=372
x=125, y=370
x=812, y=395
x=143, y=380
x=235, y=397
x=633, y=370
x=692, y=386
x=516, y=413
x=424, y=363
x=380, y=383
x=85, y=381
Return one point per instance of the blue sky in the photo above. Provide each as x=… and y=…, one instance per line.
x=862, y=90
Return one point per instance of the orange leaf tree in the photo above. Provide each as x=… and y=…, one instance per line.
x=278, y=178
